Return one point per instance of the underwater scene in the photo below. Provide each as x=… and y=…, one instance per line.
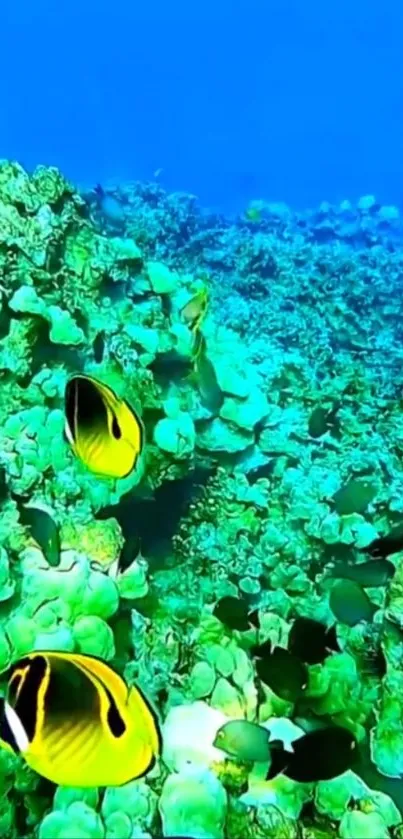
x=201, y=423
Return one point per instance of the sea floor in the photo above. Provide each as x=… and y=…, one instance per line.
x=261, y=358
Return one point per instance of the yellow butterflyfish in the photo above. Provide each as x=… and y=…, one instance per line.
x=104, y=432
x=75, y=721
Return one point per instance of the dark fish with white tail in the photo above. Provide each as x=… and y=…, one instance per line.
x=318, y=756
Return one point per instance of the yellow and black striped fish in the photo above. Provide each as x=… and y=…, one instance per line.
x=76, y=722
x=195, y=310
x=102, y=429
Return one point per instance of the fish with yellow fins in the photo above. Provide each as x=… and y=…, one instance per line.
x=76, y=722
x=195, y=310
x=104, y=432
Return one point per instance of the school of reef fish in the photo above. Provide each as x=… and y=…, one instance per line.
x=201, y=523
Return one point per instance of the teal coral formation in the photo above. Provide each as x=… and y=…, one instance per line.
x=256, y=500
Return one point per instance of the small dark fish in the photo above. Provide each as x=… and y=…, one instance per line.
x=384, y=546
x=44, y=532
x=171, y=365
x=244, y=740
x=350, y=604
x=322, y=420
x=3, y=484
x=375, y=572
x=311, y=641
x=281, y=671
x=354, y=496
x=234, y=613
x=205, y=377
x=98, y=347
x=317, y=756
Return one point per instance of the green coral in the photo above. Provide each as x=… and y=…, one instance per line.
x=78, y=820
x=267, y=505
x=193, y=802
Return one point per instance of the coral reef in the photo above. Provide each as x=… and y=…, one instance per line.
x=257, y=496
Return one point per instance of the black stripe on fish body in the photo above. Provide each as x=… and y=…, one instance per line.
x=84, y=406
x=71, y=690
x=6, y=732
x=117, y=725
x=70, y=411
x=74, y=705
x=91, y=407
x=31, y=674
x=115, y=428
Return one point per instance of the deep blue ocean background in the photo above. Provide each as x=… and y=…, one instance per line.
x=232, y=99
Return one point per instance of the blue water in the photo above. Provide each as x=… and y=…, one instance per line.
x=295, y=100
